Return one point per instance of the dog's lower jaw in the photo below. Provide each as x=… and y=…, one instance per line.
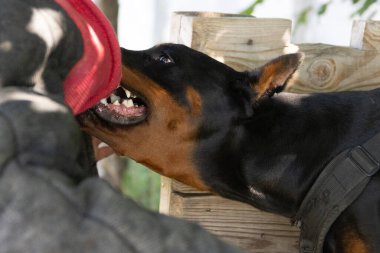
x=181, y=168
x=173, y=160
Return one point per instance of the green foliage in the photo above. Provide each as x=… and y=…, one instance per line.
x=252, y=7
x=364, y=8
x=303, y=16
x=323, y=8
x=142, y=185
x=362, y=5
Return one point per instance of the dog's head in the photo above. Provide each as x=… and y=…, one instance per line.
x=172, y=98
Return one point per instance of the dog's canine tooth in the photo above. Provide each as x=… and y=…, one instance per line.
x=104, y=101
x=127, y=92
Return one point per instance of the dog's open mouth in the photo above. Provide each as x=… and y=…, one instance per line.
x=123, y=107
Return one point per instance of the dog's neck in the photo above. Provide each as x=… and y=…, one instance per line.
x=287, y=143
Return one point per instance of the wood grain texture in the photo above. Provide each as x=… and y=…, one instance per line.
x=235, y=222
x=329, y=68
x=365, y=35
x=238, y=223
x=241, y=42
x=245, y=43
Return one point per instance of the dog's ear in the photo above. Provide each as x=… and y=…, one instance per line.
x=273, y=76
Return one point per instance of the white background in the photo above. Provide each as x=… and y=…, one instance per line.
x=144, y=23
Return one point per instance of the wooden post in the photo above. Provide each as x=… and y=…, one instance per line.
x=241, y=42
x=366, y=35
x=245, y=42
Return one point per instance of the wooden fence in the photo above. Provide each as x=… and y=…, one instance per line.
x=243, y=43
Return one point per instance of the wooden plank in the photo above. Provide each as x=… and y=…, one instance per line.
x=245, y=43
x=238, y=223
x=329, y=68
x=235, y=222
x=241, y=42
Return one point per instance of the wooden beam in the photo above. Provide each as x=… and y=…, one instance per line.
x=242, y=42
x=329, y=68
x=237, y=223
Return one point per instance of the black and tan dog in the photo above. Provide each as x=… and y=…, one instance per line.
x=191, y=118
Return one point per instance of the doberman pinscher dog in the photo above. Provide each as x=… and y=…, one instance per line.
x=192, y=118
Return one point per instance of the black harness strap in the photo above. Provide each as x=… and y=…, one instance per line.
x=340, y=183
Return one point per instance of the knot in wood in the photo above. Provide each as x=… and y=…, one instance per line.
x=321, y=72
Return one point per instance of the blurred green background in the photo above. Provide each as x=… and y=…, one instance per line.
x=142, y=185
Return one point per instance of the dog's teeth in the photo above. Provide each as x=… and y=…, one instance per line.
x=116, y=102
x=128, y=103
x=114, y=98
x=127, y=92
x=104, y=101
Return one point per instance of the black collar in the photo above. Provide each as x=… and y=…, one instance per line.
x=340, y=183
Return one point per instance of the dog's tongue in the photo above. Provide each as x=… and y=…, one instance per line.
x=98, y=72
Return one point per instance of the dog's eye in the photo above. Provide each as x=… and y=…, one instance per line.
x=164, y=58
